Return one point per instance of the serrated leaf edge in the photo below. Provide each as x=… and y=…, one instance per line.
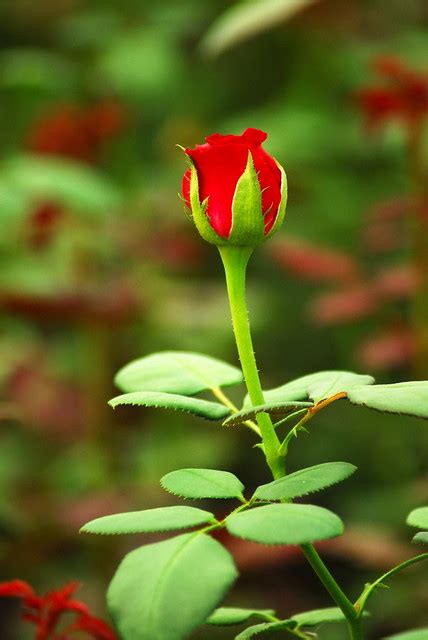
x=311, y=492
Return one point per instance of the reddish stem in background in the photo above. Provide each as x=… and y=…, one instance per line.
x=419, y=244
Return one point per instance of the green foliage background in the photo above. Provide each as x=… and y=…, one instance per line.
x=126, y=236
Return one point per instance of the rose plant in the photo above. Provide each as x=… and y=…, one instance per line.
x=236, y=194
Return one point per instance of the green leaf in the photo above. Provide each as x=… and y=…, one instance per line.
x=202, y=408
x=167, y=589
x=203, y=483
x=418, y=518
x=316, y=386
x=248, y=18
x=148, y=521
x=414, y=634
x=279, y=408
x=82, y=188
x=178, y=372
x=421, y=538
x=225, y=616
x=285, y=524
x=250, y=632
x=405, y=398
x=305, y=481
x=318, y=616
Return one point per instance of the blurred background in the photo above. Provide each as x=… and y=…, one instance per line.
x=99, y=265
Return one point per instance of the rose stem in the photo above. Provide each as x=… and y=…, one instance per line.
x=235, y=260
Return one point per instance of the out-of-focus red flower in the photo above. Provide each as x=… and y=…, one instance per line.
x=42, y=224
x=392, y=348
x=397, y=282
x=314, y=263
x=219, y=164
x=392, y=209
x=42, y=398
x=45, y=612
x=402, y=95
x=76, y=132
x=343, y=306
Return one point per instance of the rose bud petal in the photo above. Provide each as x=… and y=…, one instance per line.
x=236, y=192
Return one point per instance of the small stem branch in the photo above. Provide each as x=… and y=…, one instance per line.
x=222, y=397
x=235, y=260
x=342, y=601
x=370, y=588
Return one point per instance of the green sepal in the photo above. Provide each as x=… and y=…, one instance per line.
x=199, y=211
x=247, y=217
x=282, y=205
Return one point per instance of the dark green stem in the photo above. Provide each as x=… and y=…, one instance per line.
x=340, y=598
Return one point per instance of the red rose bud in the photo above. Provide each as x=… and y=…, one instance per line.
x=236, y=192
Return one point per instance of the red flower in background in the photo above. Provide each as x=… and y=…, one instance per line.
x=43, y=223
x=45, y=612
x=312, y=262
x=76, y=132
x=403, y=95
x=220, y=164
